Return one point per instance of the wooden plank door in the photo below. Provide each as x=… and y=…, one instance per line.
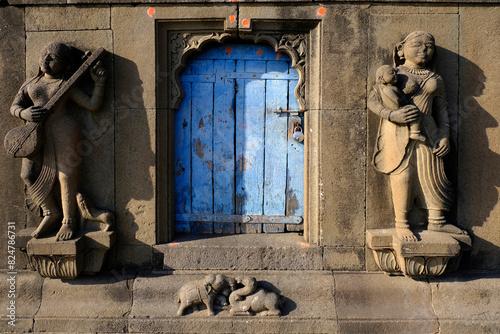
x=237, y=167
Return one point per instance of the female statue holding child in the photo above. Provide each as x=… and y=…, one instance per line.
x=413, y=136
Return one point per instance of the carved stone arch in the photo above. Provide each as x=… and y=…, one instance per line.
x=183, y=45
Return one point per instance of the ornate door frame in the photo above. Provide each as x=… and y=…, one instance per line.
x=176, y=41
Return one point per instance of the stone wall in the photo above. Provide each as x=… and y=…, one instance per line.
x=346, y=195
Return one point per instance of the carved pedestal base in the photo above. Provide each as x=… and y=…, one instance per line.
x=432, y=255
x=68, y=259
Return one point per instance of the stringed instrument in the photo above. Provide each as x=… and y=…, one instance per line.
x=25, y=141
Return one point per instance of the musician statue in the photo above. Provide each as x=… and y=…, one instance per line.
x=50, y=165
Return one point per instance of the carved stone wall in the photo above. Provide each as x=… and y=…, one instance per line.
x=336, y=48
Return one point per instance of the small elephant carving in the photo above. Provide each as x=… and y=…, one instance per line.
x=204, y=291
x=253, y=299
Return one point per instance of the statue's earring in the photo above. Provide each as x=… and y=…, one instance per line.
x=401, y=54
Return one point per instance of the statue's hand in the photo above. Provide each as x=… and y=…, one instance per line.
x=34, y=114
x=407, y=114
x=99, y=73
x=441, y=147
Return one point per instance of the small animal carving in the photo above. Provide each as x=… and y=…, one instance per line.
x=204, y=291
x=252, y=299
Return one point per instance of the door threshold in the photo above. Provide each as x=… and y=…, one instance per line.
x=279, y=251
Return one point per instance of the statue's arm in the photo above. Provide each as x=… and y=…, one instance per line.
x=441, y=111
x=21, y=102
x=94, y=102
x=376, y=106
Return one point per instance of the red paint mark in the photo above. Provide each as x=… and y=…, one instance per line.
x=259, y=52
x=229, y=50
x=304, y=244
x=245, y=23
x=151, y=11
x=232, y=18
x=235, y=0
x=321, y=11
x=278, y=55
x=174, y=244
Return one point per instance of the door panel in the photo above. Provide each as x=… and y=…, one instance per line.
x=238, y=170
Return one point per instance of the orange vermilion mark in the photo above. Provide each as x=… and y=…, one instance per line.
x=259, y=52
x=151, y=11
x=245, y=23
x=235, y=0
x=173, y=244
x=278, y=55
x=321, y=11
x=304, y=244
x=232, y=18
x=229, y=50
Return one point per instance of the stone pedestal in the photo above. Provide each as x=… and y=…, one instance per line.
x=68, y=259
x=432, y=255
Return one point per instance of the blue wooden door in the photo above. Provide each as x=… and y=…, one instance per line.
x=237, y=167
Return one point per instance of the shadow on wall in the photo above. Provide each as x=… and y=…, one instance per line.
x=134, y=163
x=478, y=166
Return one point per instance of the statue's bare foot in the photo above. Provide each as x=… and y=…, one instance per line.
x=405, y=234
x=47, y=222
x=446, y=228
x=67, y=229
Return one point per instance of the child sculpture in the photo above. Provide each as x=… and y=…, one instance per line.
x=62, y=134
x=394, y=98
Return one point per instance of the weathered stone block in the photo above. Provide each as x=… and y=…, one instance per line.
x=343, y=50
x=479, y=141
x=380, y=303
x=467, y=304
x=12, y=54
x=342, y=164
x=136, y=178
x=40, y=18
x=344, y=258
x=28, y=297
x=136, y=67
x=136, y=256
x=241, y=252
x=86, y=304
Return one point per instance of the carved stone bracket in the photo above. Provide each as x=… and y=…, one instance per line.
x=182, y=45
x=68, y=259
x=434, y=254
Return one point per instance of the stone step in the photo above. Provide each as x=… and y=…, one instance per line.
x=280, y=251
x=313, y=302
